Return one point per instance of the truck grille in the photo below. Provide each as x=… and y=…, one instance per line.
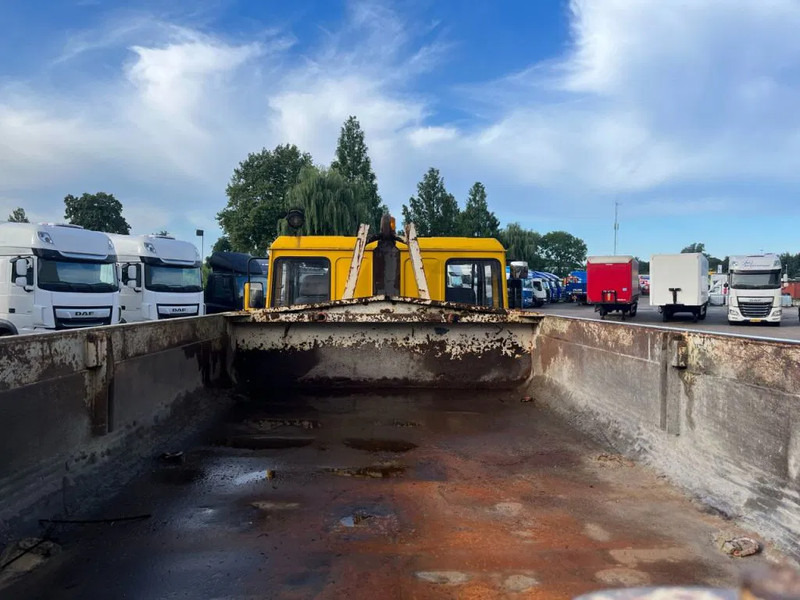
x=755, y=310
x=76, y=323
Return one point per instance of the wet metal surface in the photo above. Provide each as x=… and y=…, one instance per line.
x=487, y=497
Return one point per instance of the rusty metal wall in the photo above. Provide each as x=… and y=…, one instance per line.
x=79, y=409
x=719, y=415
x=382, y=344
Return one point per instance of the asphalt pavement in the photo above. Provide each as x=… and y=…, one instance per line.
x=716, y=320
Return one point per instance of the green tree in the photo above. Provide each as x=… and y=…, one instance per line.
x=257, y=197
x=162, y=232
x=696, y=247
x=18, y=216
x=223, y=244
x=644, y=266
x=353, y=164
x=98, y=212
x=477, y=220
x=433, y=210
x=522, y=244
x=562, y=252
x=332, y=204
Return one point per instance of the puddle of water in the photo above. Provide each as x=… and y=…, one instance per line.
x=177, y=475
x=443, y=577
x=377, y=445
x=267, y=442
x=269, y=506
x=262, y=475
x=270, y=424
x=372, y=471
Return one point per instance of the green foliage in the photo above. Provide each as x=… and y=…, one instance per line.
x=791, y=264
x=162, y=232
x=98, y=212
x=522, y=244
x=257, y=197
x=562, y=252
x=18, y=216
x=353, y=164
x=433, y=210
x=477, y=220
x=332, y=204
x=644, y=266
x=223, y=244
x=693, y=248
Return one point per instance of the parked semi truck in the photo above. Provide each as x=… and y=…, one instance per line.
x=533, y=287
x=230, y=271
x=55, y=277
x=679, y=284
x=161, y=277
x=390, y=447
x=613, y=284
x=754, y=289
x=575, y=286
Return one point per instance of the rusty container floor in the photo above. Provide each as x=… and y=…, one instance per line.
x=420, y=495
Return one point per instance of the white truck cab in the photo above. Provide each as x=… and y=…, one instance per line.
x=754, y=289
x=161, y=277
x=55, y=277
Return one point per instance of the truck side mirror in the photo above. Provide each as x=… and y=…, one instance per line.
x=21, y=281
x=21, y=267
x=131, y=272
x=254, y=292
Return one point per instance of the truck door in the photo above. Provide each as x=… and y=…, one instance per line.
x=220, y=294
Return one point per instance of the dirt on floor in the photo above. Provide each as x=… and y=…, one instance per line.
x=413, y=495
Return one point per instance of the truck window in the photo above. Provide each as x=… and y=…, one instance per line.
x=301, y=281
x=76, y=276
x=473, y=281
x=220, y=290
x=756, y=280
x=160, y=278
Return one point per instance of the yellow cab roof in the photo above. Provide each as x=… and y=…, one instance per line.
x=342, y=242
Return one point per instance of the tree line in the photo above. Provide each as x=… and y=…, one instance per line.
x=790, y=262
x=337, y=198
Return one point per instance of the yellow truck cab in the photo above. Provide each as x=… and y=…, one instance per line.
x=314, y=269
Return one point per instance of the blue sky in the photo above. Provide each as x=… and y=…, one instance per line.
x=684, y=112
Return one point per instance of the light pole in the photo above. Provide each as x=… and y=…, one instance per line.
x=616, y=224
x=199, y=233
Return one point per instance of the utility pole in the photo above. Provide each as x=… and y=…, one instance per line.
x=616, y=224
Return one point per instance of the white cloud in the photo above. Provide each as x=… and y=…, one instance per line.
x=425, y=136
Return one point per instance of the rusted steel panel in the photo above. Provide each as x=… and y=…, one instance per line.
x=388, y=310
x=720, y=415
x=377, y=353
x=33, y=358
x=71, y=402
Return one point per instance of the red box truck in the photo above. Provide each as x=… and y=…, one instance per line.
x=612, y=284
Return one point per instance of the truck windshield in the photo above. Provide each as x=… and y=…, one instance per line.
x=474, y=282
x=76, y=276
x=162, y=278
x=756, y=280
x=301, y=281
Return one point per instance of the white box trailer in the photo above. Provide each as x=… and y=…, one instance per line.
x=679, y=284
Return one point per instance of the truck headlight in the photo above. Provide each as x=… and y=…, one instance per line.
x=733, y=311
x=777, y=312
